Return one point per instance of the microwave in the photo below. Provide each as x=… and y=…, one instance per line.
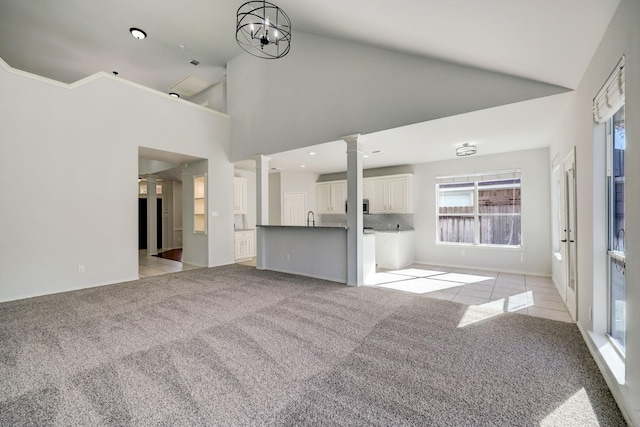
x=365, y=206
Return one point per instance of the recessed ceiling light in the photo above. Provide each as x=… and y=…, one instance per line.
x=175, y=95
x=303, y=166
x=312, y=153
x=115, y=73
x=137, y=33
x=182, y=47
x=365, y=155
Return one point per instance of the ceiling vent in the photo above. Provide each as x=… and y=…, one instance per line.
x=195, y=62
x=190, y=86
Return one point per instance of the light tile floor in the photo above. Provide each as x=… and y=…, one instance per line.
x=155, y=266
x=487, y=290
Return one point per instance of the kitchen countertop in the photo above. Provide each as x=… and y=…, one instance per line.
x=341, y=227
x=304, y=226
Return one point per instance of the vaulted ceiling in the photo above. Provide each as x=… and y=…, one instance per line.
x=550, y=41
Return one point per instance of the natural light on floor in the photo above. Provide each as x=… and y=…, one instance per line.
x=480, y=312
x=568, y=409
x=485, y=293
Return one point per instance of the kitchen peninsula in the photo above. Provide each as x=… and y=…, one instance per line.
x=318, y=251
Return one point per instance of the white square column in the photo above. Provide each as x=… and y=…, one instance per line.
x=262, y=205
x=355, y=222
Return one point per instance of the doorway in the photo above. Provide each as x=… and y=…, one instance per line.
x=569, y=240
x=142, y=224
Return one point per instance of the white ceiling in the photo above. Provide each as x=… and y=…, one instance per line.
x=546, y=40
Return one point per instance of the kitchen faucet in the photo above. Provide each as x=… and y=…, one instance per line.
x=313, y=218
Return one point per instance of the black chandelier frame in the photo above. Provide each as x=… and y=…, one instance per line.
x=263, y=30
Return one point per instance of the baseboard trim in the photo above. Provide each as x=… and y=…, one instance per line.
x=609, y=377
x=297, y=273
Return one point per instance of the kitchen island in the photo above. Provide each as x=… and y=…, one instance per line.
x=319, y=251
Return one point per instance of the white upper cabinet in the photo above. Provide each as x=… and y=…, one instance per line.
x=390, y=194
x=331, y=197
x=240, y=195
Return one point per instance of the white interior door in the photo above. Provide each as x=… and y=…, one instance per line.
x=570, y=235
x=294, y=211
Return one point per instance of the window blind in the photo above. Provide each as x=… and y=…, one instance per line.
x=483, y=176
x=611, y=97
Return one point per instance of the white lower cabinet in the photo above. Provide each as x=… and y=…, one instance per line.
x=394, y=249
x=244, y=244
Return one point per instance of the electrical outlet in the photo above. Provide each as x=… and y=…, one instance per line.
x=81, y=269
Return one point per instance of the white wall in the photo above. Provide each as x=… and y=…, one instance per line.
x=275, y=208
x=196, y=248
x=215, y=98
x=326, y=88
x=68, y=173
x=176, y=227
x=533, y=258
x=622, y=37
x=299, y=182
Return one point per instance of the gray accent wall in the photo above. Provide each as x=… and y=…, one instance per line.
x=327, y=88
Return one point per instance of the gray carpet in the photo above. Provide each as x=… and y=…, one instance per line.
x=237, y=346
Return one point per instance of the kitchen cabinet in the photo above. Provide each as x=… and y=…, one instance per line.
x=240, y=195
x=331, y=197
x=244, y=244
x=389, y=194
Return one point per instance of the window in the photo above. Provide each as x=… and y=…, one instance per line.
x=480, y=210
x=616, y=228
x=608, y=109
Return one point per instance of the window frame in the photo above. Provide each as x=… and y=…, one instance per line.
x=473, y=182
x=613, y=253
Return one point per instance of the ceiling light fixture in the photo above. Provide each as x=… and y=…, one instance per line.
x=175, y=95
x=137, y=33
x=263, y=29
x=312, y=153
x=466, y=150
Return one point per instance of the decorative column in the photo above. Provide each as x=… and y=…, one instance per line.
x=262, y=205
x=355, y=222
x=152, y=216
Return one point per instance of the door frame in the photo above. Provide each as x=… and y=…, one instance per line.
x=570, y=230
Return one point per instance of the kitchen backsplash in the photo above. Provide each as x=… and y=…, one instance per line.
x=376, y=221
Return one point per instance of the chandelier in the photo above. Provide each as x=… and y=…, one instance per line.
x=263, y=29
x=466, y=150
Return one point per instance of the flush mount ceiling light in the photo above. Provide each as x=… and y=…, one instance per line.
x=263, y=29
x=466, y=150
x=137, y=33
x=175, y=95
